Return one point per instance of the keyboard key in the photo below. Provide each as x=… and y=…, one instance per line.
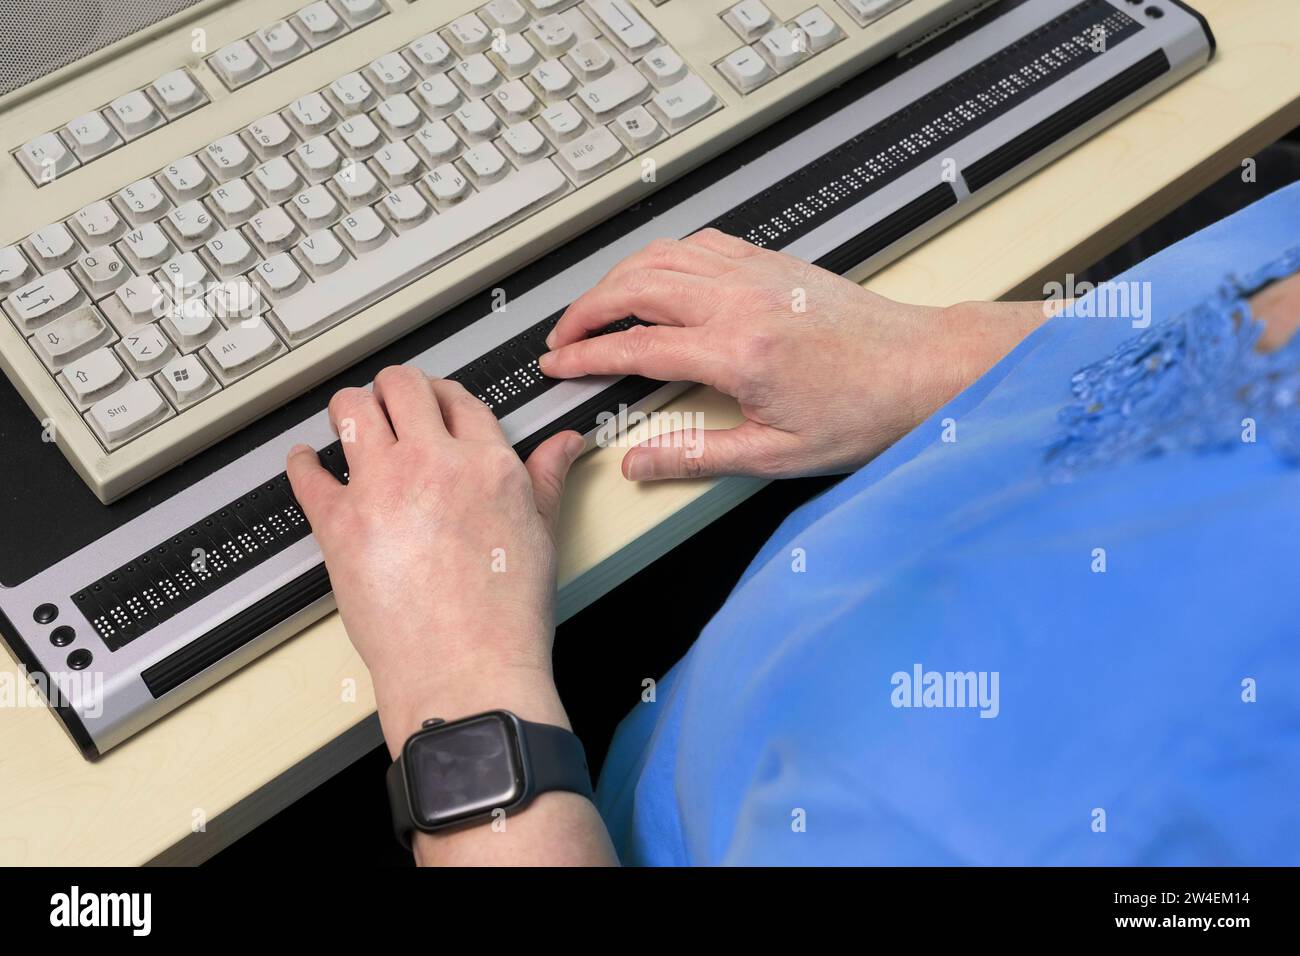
x=241, y=349
x=273, y=230
x=398, y=116
x=552, y=80
x=319, y=23
x=320, y=253
x=278, y=44
x=190, y=325
x=315, y=208
x=591, y=154
x=504, y=14
x=185, y=179
x=524, y=143
x=562, y=122
x=185, y=275
x=138, y=301
x=185, y=381
x=97, y=224
x=745, y=69
x=128, y=412
x=237, y=64
x=864, y=11
x=397, y=164
x=474, y=122
x=227, y=158
x=228, y=254
x=357, y=12
x=468, y=35
x=683, y=103
x=14, y=269
x=819, y=29
x=100, y=271
x=146, y=247
x=311, y=115
x=236, y=302
x=145, y=350
x=391, y=74
x=235, y=203
x=436, y=143
x=363, y=231
x=71, y=336
x=637, y=129
x=51, y=247
x=513, y=101
x=782, y=49
x=750, y=19
x=513, y=55
x=663, y=66
x=276, y=180
x=44, y=299
x=279, y=277
x=614, y=92
x=190, y=225
x=93, y=376
x=485, y=164
x=351, y=94
x=271, y=136
x=589, y=60
x=437, y=96
x=475, y=75
x=620, y=21
x=552, y=35
x=91, y=135
x=46, y=158
x=430, y=54
x=177, y=93
x=403, y=208
x=446, y=184
x=318, y=158
x=357, y=185
x=143, y=202
x=359, y=136
x=134, y=114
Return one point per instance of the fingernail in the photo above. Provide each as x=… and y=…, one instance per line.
x=639, y=468
x=550, y=340
x=299, y=447
x=544, y=360
x=574, y=446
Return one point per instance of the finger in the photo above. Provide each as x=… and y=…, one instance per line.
x=666, y=354
x=361, y=425
x=314, y=487
x=654, y=295
x=747, y=449
x=465, y=415
x=548, y=466
x=719, y=242
x=406, y=396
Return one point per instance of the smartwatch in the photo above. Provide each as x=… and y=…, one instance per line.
x=455, y=773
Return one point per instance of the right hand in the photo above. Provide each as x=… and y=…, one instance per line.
x=827, y=374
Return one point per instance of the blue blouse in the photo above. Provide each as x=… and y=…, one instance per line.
x=1055, y=624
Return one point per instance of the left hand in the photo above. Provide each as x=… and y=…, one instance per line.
x=440, y=549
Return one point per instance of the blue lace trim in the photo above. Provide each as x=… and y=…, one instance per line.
x=1186, y=384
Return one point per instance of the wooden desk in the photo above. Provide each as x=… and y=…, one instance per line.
x=209, y=773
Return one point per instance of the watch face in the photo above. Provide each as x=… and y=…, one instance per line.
x=464, y=769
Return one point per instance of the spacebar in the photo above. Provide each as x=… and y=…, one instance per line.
x=413, y=253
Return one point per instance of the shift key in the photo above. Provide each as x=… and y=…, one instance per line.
x=127, y=412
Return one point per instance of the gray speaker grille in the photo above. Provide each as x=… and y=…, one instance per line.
x=38, y=37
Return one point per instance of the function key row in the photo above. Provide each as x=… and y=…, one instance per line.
x=284, y=41
x=100, y=131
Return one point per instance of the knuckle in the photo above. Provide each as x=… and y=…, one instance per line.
x=346, y=400
x=660, y=250
x=639, y=281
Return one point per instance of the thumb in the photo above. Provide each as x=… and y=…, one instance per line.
x=548, y=466
x=747, y=449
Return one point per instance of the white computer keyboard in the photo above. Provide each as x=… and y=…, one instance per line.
x=191, y=250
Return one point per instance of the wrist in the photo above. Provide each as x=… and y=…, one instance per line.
x=528, y=692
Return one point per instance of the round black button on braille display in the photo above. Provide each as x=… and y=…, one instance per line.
x=79, y=659
x=62, y=636
x=1155, y=13
x=45, y=613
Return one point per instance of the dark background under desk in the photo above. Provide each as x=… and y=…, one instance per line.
x=602, y=654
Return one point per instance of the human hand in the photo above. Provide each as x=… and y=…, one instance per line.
x=827, y=374
x=440, y=549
